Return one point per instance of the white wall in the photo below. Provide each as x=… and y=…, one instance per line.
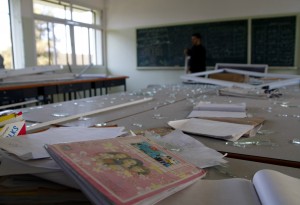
x=124, y=16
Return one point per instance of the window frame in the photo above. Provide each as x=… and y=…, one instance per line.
x=97, y=26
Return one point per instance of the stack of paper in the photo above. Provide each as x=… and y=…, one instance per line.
x=204, y=110
x=211, y=128
x=11, y=124
x=26, y=154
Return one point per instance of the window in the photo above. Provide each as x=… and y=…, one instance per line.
x=67, y=34
x=6, y=49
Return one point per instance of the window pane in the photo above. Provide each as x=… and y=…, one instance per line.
x=93, y=46
x=58, y=10
x=5, y=40
x=81, y=45
x=83, y=15
x=99, y=46
x=73, y=42
x=62, y=44
x=42, y=46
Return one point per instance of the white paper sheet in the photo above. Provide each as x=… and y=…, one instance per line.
x=225, y=130
x=31, y=146
x=232, y=107
x=200, y=113
x=189, y=149
x=11, y=165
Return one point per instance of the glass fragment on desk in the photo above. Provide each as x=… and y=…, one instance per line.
x=290, y=106
x=60, y=114
x=57, y=105
x=137, y=124
x=83, y=118
x=264, y=132
x=170, y=101
x=244, y=144
x=296, y=141
x=225, y=170
x=158, y=117
x=37, y=107
x=282, y=115
x=89, y=101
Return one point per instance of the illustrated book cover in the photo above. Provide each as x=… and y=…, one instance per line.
x=124, y=170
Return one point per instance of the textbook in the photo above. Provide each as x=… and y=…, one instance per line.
x=268, y=187
x=11, y=124
x=124, y=170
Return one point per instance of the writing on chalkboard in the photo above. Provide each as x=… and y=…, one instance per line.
x=272, y=42
x=163, y=46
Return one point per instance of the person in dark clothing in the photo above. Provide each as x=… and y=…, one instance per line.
x=197, y=54
x=1, y=61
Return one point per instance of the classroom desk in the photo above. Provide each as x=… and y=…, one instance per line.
x=28, y=189
x=16, y=92
x=174, y=103
x=281, y=126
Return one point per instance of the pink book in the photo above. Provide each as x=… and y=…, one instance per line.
x=124, y=170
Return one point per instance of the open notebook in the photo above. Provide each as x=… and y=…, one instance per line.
x=268, y=187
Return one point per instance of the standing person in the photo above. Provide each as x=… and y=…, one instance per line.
x=1, y=61
x=197, y=54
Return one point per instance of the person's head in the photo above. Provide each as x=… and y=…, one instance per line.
x=196, y=39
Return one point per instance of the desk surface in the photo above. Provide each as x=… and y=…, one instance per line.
x=33, y=81
x=176, y=102
x=27, y=189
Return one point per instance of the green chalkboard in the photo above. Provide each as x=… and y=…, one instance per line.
x=225, y=42
x=273, y=41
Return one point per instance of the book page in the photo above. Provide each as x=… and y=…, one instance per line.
x=216, y=192
x=275, y=188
